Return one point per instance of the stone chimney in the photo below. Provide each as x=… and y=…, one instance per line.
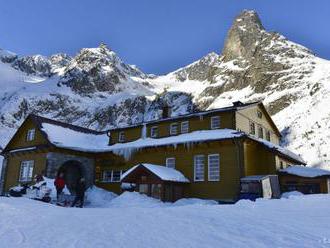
x=237, y=103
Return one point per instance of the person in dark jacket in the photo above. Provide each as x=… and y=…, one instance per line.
x=59, y=184
x=80, y=193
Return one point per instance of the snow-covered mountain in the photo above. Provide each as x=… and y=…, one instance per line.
x=97, y=89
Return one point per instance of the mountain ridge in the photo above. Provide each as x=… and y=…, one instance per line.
x=98, y=90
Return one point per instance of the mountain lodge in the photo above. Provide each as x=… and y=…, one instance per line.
x=203, y=154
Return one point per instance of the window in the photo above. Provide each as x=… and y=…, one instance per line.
x=268, y=135
x=185, y=127
x=259, y=114
x=281, y=165
x=112, y=175
x=26, y=171
x=252, y=128
x=174, y=129
x=144, y=189
x=170, y=163
x=215, y=122
x=121, y=136
x=154, y=132
x=260, y=132
x=199, y=161
x=156, y=191
x=30, y=135
x=214, y=167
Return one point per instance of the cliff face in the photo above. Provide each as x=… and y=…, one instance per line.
x=98, y=90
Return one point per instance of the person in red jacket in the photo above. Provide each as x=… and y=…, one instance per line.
x=59, y=184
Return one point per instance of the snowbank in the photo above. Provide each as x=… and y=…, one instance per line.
x=291, y=194
x=194, y=201
x=135, y=199
x=305, y=171
x=97, y=197
x=295, y=223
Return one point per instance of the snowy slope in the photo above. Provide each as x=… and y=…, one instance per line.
x=133, y=220
x=258, y=65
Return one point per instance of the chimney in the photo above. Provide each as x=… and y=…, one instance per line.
x=237, y=103
x=166, y=112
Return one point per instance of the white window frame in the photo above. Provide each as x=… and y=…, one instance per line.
x=209, y=170
x=172, y=130
x=185, y=127
x=152, y=133
x=254, y=128
x=104, y=180
x=29, y=164
x=213, y=118
x=259, y=114
x=262, y=132
x=31, y=134
x=170, y=162
x=195, y=165
x=121, y=136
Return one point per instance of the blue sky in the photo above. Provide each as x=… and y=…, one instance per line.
x=158, y=36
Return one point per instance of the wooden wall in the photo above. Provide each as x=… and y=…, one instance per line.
x=245, y=116
x=286, y=179
x=225, y=189
x=19, y=139
x=14, y=166
x=258, y=160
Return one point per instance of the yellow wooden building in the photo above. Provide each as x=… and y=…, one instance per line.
x=211, y=149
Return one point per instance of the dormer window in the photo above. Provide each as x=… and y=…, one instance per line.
x=174, y=129
x=154, y=132
x=259, y=114
x=215, y=122
x=31, y=134
x=121, y=136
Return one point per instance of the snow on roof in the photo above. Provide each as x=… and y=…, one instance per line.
x=68, y=138
x=164, y=173
x=127, y=149
x=278, y=148
x=303, y=171
x=72, y=139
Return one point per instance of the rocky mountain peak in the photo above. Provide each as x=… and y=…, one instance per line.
x=244, y=36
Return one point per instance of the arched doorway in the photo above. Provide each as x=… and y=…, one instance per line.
x=72, y=171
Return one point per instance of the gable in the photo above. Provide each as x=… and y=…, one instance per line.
x=246, y=116
x=19, y=140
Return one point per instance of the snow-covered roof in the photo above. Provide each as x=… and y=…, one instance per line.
x=303, y=171
x=82, y=140
x=66, y=137
x=126, y=149
x=279, y=149
x=164, y=173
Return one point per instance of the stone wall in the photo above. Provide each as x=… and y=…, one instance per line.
x=56, y=160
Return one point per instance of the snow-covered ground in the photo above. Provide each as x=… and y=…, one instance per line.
x=133, y=220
